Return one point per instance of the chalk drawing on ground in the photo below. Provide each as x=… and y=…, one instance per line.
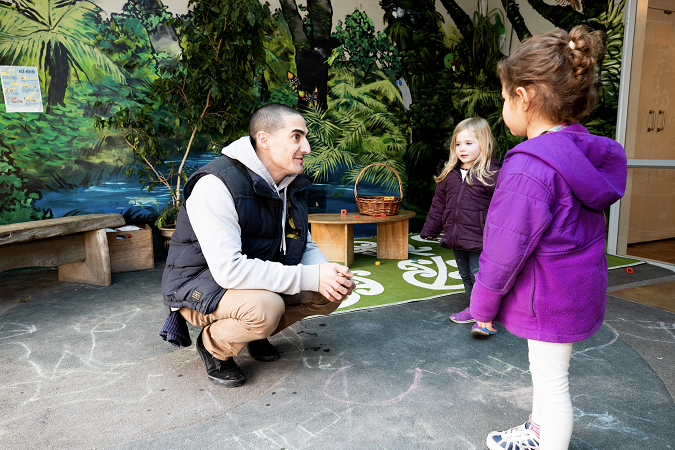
x=11, y=329
x=76, y=376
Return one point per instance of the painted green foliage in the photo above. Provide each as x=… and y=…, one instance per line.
x=209, y=89
x=477, y=88
x=365, y=121
x=94, y=67
x=603, y=15
x=279, y=62
x=364, y=124
x=16, y=198
x=363, y=48
x=416, y=29
x=59, y=149
x=125, y=41
x=57, y=35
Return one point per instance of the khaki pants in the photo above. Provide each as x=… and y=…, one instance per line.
x=245, y=315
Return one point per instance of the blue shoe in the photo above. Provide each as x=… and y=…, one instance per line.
x=482, y=331
x=518, y=438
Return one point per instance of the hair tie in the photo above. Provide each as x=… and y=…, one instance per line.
x=572, y=45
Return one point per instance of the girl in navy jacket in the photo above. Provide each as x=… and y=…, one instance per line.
x=460, y=204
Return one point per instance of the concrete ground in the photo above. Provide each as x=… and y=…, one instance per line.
x=83, y=367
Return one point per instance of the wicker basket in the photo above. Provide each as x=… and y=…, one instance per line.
x=371, y=205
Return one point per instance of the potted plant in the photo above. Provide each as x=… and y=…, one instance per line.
x=209, y=90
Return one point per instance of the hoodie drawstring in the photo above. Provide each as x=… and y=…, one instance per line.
x=283, y=220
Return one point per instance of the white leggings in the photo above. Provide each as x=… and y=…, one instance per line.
x=551, y=403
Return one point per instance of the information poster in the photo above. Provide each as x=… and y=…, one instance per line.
x=21, y=88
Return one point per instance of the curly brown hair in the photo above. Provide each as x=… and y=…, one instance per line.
x=561, y=67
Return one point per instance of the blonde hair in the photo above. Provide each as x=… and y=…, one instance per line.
x=480, y=167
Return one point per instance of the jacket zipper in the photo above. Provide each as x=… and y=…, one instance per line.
x=457, y=203
x=534, y=283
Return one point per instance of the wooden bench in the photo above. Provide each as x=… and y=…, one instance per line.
x=334, y=234
x=77, y=245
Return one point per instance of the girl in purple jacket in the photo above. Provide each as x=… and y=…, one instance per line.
x=543, y=270
x=460, y=204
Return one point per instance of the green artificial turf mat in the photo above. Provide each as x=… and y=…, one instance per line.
x=430, y=271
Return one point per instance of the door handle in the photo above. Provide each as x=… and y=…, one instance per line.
x=651, y=111
x=663, y=121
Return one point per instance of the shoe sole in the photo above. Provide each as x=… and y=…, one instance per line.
x=482, y=332
x=266, y=358
x=462, y=321
x=226, y=383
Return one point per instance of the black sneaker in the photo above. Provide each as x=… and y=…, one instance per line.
x=262, y=350
x=223, y=373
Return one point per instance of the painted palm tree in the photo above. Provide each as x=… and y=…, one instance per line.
x=57, y=36
x=361, y=128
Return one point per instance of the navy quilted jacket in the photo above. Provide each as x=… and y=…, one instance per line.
x=459, y=210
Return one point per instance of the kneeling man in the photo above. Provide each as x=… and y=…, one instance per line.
x=242, y=263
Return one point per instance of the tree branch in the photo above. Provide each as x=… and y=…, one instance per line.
x=321, y=13
x=462, y=19
x=194, y=132
x=561, y=16
x=517, y=22
x=295, y=25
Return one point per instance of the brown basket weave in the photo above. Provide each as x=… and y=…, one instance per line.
x=370, y=205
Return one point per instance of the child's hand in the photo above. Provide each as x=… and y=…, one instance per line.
x=429, y=238
x=488, y=325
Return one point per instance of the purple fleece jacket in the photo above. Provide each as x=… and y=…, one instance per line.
x=543, y=271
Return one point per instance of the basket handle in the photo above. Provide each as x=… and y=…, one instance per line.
x=400, y=185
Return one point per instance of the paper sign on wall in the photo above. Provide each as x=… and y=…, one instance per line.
x=21, y=88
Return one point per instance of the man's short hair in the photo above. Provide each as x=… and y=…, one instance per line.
x=269, y=118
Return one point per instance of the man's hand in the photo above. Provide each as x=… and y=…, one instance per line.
x=335, y=282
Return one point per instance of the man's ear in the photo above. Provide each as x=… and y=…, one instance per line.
x=262, y=140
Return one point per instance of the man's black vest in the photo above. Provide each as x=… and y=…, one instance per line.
x=187, y=279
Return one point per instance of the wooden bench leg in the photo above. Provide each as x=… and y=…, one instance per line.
x=392, y=240
x=95, y=269
x=335, y=241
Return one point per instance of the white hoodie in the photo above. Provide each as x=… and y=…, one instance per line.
x=214, y=220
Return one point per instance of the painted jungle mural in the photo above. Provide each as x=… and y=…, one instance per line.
x=136, y=100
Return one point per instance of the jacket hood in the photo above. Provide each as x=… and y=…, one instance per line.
x=594, y=167
x=242, y=150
